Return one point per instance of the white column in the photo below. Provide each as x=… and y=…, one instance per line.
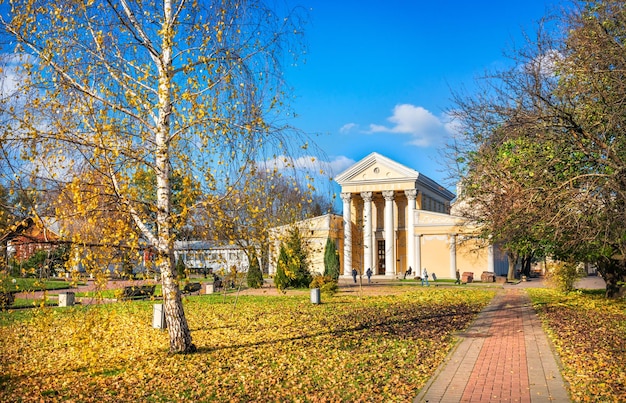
x=490, y=263
x=417, y=269
x=411, y=194
x=390, y=256
x=367, y=231
x=453, y=256
x=347, y=235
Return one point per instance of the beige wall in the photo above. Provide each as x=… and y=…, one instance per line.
x=435, y=253
x=435, y=247
x=314, y=233
x=436, y=257
x=472, y=257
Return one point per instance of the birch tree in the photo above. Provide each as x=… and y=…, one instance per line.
x=177, y=88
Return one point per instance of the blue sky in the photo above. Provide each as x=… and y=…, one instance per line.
x=378, y=75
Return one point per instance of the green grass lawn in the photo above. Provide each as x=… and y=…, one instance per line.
x=349, y=348
x=30, y=285
x=26, y=284
x=21, y=303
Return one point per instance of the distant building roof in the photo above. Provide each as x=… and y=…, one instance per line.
x=204, y=245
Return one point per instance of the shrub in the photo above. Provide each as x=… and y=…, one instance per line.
x=281, y=281
x=181, y=269
x=6, y=299
x=331, y=260
x=292, y=267
x=42, y=263
x=255, y=277
x=563, y=275
x=326, y=284
x=6, y=291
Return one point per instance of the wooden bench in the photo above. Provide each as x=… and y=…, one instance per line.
x=467, y=277
x=191, y=288
x=138, y=292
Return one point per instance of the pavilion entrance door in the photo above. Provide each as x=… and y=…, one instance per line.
x=381, y=257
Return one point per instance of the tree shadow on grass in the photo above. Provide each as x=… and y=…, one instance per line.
x=412, y=327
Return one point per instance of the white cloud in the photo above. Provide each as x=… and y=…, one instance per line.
x=9, y=82
x=339, y=164
x=304, y=163
x=10, y=75
x=452, y=125
x=311, y=164
x=348, y=127
x=546, y=64
x=424, y=128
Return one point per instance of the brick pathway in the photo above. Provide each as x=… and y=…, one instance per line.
x=503, y=357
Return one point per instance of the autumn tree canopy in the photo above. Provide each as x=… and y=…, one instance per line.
x=543, y=148
x=246, y=217
x=143, y=96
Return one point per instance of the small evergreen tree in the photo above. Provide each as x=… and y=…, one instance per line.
x=331, y=260
x=293, y=268
x=281, y=281
x=255, y=277
x=181, y=269
x=43, y=263
x=298, y=272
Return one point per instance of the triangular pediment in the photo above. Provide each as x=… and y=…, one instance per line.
x=376, y=168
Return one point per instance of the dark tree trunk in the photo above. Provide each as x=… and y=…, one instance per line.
x=512, y=257
x=526, y=261
x=614, y=273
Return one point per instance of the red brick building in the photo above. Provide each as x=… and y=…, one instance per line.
x=27, y=237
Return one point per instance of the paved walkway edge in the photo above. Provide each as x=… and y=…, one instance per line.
x=546, y=382
x=450, y=379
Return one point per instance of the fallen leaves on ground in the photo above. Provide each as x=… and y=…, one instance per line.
x=373, y=348
x=589, y=333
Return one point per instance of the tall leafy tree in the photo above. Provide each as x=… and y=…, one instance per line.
x=175, y=88
x=266, y=198
x=553, y=125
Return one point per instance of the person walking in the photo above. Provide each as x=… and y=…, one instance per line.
x=369, y=275
x=354, y=273
x=425, y=277
x=458, y=278
x=408, y=272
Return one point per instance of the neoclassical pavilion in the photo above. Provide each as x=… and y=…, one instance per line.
x=395, y=218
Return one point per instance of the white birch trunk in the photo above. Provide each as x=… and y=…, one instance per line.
x=178, y=329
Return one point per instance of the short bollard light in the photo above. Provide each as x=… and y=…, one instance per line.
x=66, y=299
x=315, y=296
x=210, y=289
x=158, y=317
